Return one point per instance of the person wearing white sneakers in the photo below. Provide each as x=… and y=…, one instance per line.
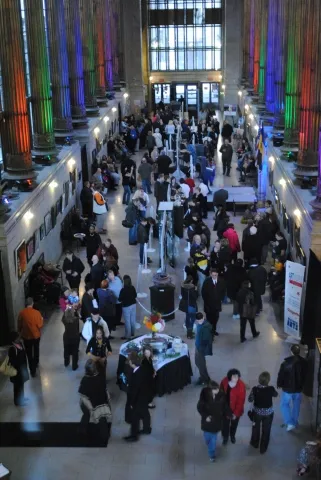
x=291, y=379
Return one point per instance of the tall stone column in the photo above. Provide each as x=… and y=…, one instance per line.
x=257, y=43
x=270, y=61
x=41, y=100
x=108, y=15
x=132, y=27
x=280, y=62
x=59, y=69
x=88, y=55
x=233, y=53
x=99, y=44
x=75, y=63
x=118, y=7
x=246, y=40
x=15, y=128
x=316, y=203
x=310, y=118
x=293, y=81
x=263, y=45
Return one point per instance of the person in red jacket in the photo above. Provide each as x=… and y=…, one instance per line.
x=233, y=240
x=234, y=390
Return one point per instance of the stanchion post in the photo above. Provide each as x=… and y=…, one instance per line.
x=145, y=268
x=188, y=247
x=140, y=294
x=150, y=249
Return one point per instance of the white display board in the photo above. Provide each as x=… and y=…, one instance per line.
x=294, y=279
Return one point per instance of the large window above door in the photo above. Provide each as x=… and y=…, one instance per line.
x=185, y=34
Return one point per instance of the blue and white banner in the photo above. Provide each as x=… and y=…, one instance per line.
x=294, y=281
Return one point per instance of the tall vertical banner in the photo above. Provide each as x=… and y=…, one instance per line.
x=294, y=280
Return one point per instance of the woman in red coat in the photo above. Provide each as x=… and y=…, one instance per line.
x=233, y=240
x=234, y=390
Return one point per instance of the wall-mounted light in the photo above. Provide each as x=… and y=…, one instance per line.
x=53, y=184
x=282, y=182
x=271, y=159
x=220, y=76
x=256, y=127
x=106, y=119
x=126, y=95
x=71, y=162
x=297, y=212
x=114, y=109
x=251, y=116
x=151, y=78
x=96, y=131
x=28, y=216
x=246, y=107
x=240, y=93
x=223, y=87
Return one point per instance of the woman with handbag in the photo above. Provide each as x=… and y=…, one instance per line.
x=262, y=413
x=247, y=307
x=18, y=360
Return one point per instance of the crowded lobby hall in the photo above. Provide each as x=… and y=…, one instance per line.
x=160, y=239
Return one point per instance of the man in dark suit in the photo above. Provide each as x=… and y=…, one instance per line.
x=220, y=197
x=213, y=292
x=138, y=397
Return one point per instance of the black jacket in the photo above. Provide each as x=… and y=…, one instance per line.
x=213, y=295
x=220, y=197
x=189, y=297
x=264, y=230
x=142, y=234
x=97, y=275
x=227, y=152
x=258, y=277
x=262, y=396
x=86, y=197
x=18, y=360
x=161, y=191
x=292, y=374
x=234, y=277
x=71, y=333
x=227, y=130
x=93, y=242
x=128, y=295
x=86, y=305
x=252, y=247
x=215, y=409
x=138, y=395
x=75, y=265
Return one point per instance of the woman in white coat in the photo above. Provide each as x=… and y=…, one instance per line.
x=158, y=139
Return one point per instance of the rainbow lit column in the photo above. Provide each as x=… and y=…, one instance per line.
x=15, y=129
x=280, y=59
x=251, y=43
x=59, y=69
x=41, y=100
x=246, y=40
x=310, y=118
x=99, y=49
x=108, y=45
x=76, y=71
x=257, y=43
x=293, y=81
x=263, y=42
x=270, y=56
x=88, y=55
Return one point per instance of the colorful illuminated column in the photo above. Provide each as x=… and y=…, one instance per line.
x=257, y=43
x=118, y=13
x=59, y=69
x=88, y=55
x=263, y=43
x=75, y=63
x=251, y=43
x=280, y=61
x=108, y=45
x=15, y=128
x=310, y=118
x=293, y=81
x=270, y=61
x=41, y=99
x=99, y=41
x=246, y=40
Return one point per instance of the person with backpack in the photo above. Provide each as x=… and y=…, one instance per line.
x=247, y=308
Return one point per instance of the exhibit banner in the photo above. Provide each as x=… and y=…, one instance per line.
x=294, y=279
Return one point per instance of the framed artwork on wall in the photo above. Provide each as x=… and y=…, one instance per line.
x=21, y=259
x=53, y=216
x=73, y=180
x=42, y=231
x=271, y=174
x=48, y=223
x=37, y=239
x=58, y=207
x=30, y=248
x=66, y=192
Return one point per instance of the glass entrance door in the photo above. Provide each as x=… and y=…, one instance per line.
x=192, y=100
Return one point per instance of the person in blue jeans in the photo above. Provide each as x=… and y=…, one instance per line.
x=212, y=406
x=188, y=304
x=142, y=238
x=291, y=378
x=127, y=297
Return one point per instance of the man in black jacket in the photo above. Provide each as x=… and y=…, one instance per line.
x=138, y=397
x=161, y=190
x=213, y=292
x=227, y=154
x=258, y=278
x=93, y=242
x=142, y=238
x=86, y=198
x=291, y=379
x=227, y=131
x=73, y=268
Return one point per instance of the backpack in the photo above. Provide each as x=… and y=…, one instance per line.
x=249, y=307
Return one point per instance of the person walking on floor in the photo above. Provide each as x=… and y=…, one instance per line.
x=291, y=379
x=213, y=292
x=91, y=325
x=145, y=171
x=30, y=323
x=213, y=408
x=100, y=209
x=262, y=412
x=115, y=285
x=127, y=298
x=203, y=347
x=247, y=307
x=258, y=278
x=127, y=170
x=107, y=305
x=235, y=275
x=71, y=336
x=142, y=238
x=18, y=360
x=93, y=242
x=231, y=235
x=73, y=268
x=227, y=153
x=138, y=397
x=234, y=390
x=188, y=304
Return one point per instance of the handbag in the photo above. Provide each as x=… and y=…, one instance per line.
x=7, y=369
x=250, y=414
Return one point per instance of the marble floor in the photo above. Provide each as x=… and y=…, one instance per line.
x=175, y=450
